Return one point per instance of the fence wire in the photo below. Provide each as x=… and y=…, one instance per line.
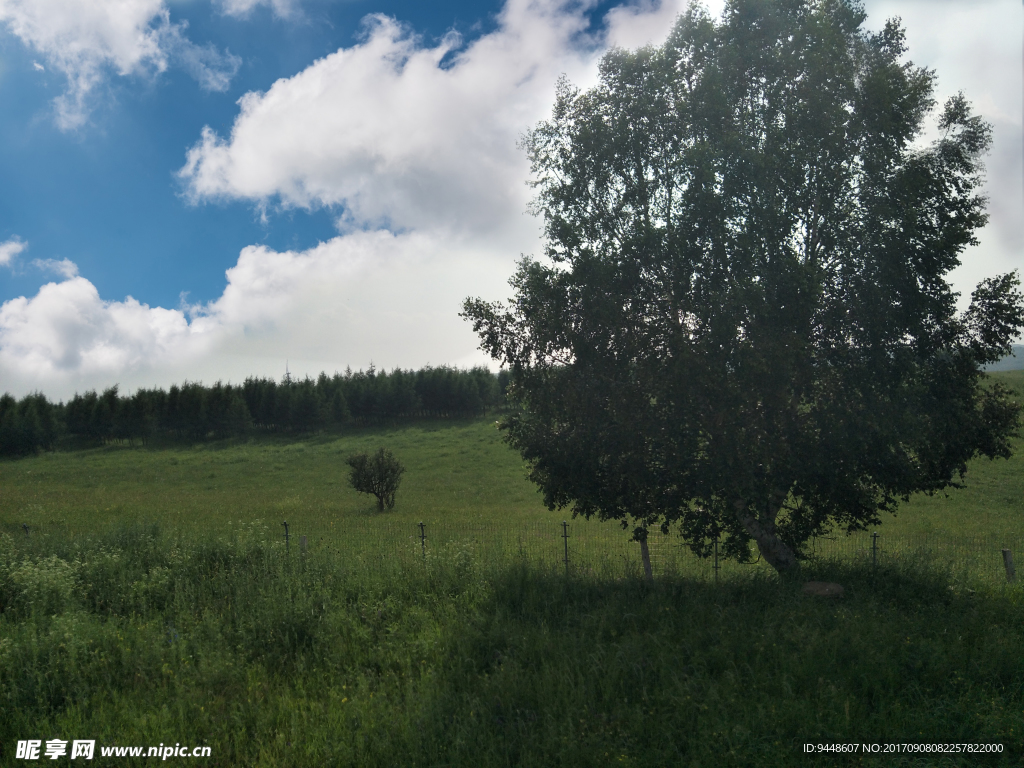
x=605, y=548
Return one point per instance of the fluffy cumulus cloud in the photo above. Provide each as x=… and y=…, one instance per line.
x=320, y=308
x=85, y=40
x=66, y=329
x=397, y=133
x=367, y=296
x=403, y=134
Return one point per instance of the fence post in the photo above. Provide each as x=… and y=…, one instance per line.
x=645, y=556
x=565, y=538
x=285, y=524
x=1011, y=574
x=423, y=540
x=874, y=550
x=302, y=544
x=716, y=557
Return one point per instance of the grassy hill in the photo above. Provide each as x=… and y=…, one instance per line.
x=459, y=473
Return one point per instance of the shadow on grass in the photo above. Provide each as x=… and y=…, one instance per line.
x=683, y=672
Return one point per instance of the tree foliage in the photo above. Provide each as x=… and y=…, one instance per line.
x=379, y=475
x=743, y=326
x=26, y=425
x=195, y=412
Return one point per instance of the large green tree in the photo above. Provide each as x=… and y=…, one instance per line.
x=743, y=326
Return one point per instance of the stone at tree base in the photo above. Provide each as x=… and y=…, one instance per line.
x=823, y=589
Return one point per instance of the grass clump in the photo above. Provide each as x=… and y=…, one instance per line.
x=272, y=658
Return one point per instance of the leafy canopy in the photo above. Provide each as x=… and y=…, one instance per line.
x=743, y=326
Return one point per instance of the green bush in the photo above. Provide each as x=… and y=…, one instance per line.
x=379, y=475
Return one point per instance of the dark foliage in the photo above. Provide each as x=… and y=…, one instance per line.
x=744, y=327
x=26, y=425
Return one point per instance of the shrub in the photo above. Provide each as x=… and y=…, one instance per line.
x=379, y=474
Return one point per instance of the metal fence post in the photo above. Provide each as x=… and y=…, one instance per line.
x=565, y=538
x=1011, y=573
x=874, y=550
x=285, y=524
x=423, y=540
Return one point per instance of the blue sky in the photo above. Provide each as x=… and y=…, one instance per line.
x=106, y=196
x=205, y=189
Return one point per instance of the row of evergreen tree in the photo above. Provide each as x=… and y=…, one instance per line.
x=193, y=411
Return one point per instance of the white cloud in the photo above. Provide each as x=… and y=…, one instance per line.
x=327, y=302
x=637, y=24
x=281, y=8
x=38, y=67
x=210, y=68
x=66, y=331
x=86, y=39
x=65, y=267
x=401, y=134
x=321, y=309
x=10, y=249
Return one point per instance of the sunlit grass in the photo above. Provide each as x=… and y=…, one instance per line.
x=458, y=473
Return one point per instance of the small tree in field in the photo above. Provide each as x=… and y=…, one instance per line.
x=379, y=474
x=743, y=325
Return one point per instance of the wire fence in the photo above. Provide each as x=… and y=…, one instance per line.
x=606, y=549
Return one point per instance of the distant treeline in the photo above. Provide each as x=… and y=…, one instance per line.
x=196, y=412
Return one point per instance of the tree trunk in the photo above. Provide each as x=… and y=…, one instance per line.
x=775, y=551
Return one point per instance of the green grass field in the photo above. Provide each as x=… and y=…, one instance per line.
x=146, y=606
x=461, y=480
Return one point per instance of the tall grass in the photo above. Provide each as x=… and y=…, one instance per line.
x=272, y=658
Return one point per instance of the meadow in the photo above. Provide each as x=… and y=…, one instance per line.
x=459, y=473
x=153, y=600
